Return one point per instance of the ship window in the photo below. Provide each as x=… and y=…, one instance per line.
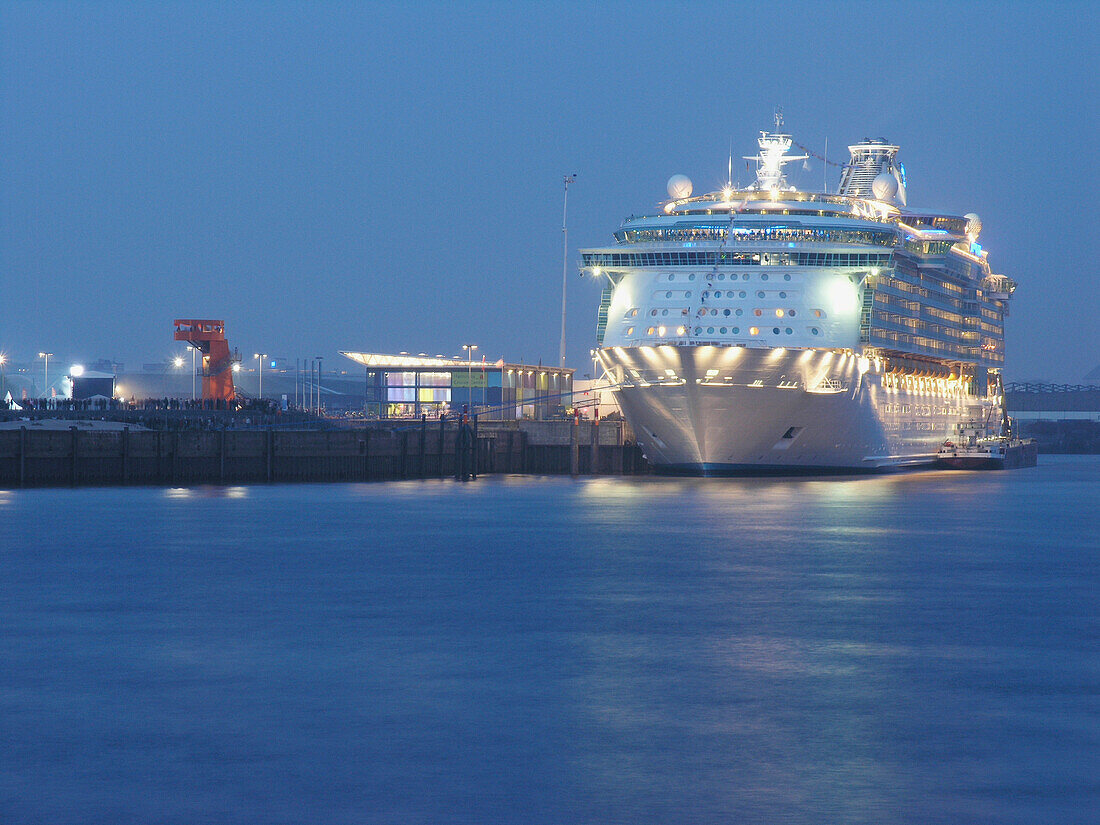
x=633, y=313
x=650, y=331
x=786, y=277
x=818, y=313
x=687, y=294
x=718, y=293
x=743, y=294
x=779, y=313
x=653, y=312
x=698, y=330
x=672, y=277
x=691, y=277
x=739, y=313
x=792, y=432
x=790, y=312
x=710, y=330
x=630, y=330
x=726, y=312
x=782, y=294
x=775, y=330
x=764, y=277
x=722, y=330
x=745, y=277
x=758, y=312
x=714, y=312
x=813, y=330
x=664, y=312
x=736, y=330
x=721, y=277
x=760, y=293
x=668, y=294
x=788, y=330
x=754, y=331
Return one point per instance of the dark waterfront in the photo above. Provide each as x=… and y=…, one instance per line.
x=914, y=648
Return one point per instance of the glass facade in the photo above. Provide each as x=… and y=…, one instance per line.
x=495, y=392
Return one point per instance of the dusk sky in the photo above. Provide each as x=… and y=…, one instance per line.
x=389, y=177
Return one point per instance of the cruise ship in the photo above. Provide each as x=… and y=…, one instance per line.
x=765, y=328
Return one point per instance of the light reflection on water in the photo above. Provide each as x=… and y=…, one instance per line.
x=910, y=648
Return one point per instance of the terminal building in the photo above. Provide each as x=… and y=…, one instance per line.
x=405, y=386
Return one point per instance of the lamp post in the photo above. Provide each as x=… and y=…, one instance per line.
x=261, y=356
x=567, y=179
x=45, y=374
x=3, y=376
x=469, y=348
x=318, y=385
x=192, y=351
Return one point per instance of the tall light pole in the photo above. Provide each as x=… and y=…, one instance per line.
x=192, y=350
x=261, y=356
x=469, y=348
x=3, y=376
x=318, y=385
x=45, y=374
x=567, y=179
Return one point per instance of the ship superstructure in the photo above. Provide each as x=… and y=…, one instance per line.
x=767, y=328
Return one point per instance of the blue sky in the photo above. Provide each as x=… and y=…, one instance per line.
x=388, y=177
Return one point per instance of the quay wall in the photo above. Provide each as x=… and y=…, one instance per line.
x=75, y=456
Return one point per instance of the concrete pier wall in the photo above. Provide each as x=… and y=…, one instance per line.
x=63, y=457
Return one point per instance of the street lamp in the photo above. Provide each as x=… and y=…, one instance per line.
x=260, y=357
x=45, y=373
x=3, y=377
x=469, y=348
x=319, y=359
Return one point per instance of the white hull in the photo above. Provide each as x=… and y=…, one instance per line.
x=709, y=410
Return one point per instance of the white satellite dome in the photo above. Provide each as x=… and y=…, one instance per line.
x=679, y=186
x=973, y=224
x=884, y=186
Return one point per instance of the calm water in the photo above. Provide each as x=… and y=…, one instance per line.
x=919, y=648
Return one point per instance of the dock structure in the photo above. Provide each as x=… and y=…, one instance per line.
x=78, y=456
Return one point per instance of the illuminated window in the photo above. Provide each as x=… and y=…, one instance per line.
x=660, y=330
x=779, y=313
x=818, y=313
x=650, y=331
x=758, y=312
x=754, y=331
x=630, y=330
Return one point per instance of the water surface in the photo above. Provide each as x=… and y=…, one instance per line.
x=915, y=648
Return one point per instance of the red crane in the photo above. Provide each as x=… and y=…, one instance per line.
x=208, y=337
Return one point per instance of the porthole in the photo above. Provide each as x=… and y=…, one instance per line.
x=760, y=293
x=629, y=331
x=722, y=330
x=718, y=294
x=782, y=294
x=742, y=293
x=691, y=277
x=764, y=277
x=818, y=313
x=790, y=312
x=788, y=330
x=786, y=277
x=740, y=312
x=726, y=312
x=736, y=330
x=779, y=313
x=653, y=312
x=688, y=293
x=664, y=312
x=710, y=330
x=698, y=330
x=775, y=330
x=721, y=277
x=672, y=277
x=745, y=277
x=651, y=330
x=754, y=330
x=668, y=294
x=813, y=330
x=758, y=312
